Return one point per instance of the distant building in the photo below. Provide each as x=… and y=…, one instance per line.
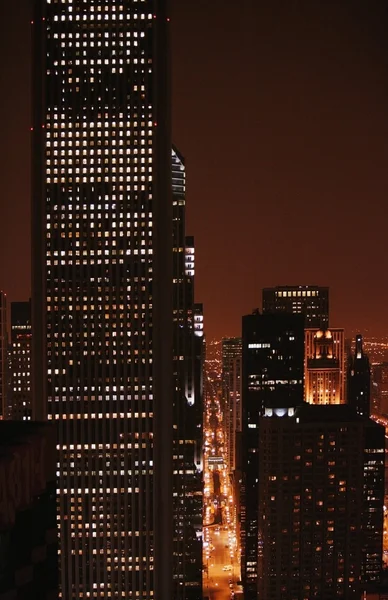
x=28, y=521
x=320, y=502
x=272, y=376
x=20, y=408
x=335, y=339
x=231, y=350
x=359, y=380
x=380, y=379
x=235, y=414
x=311, y=301
x=323, y=372
x=3, y=355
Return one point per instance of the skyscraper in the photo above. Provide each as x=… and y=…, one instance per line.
x=310, y=300
x=3, y=354
x=335, y=338
x=323, y=373
x=20, y=407
x=230, y=349
x=102, y=277
x=272, y=378
x=359, y=380
x=235, y=415
x=321, y=496
x=380, y=381
x=188, y=405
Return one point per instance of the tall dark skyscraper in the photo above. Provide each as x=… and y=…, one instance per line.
x=272, y=380
x=188, y=402
x=20, y=394
x=102, y=282
x=321, y=496
x=310, y=300
x=359, y=380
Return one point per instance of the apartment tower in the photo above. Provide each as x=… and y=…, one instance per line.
x=321, y=496
x=102, y=296
x=272, y=378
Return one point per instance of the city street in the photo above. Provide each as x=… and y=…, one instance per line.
x=221, y=552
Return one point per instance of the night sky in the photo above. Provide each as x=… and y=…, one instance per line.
x=281, y=110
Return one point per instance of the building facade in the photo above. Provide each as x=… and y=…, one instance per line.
x=315, y=489
x=20, y=396
x=310, y=300
x=102, y=275
x=272, y=377
x=359, y=380
x=28, y=520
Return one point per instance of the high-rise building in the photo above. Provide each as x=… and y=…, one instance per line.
x=380, y=381
x=323, y=373
x=320, y=497
x=28, y=520
x=188, y=404
x=272, y=377
x=102, y=288
x=329, y=377
x=312, y=301
x=235, y=414
x=359, y=380
x=230, y=350
x=3, y=355
x=20, y=405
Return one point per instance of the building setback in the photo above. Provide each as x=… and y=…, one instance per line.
x=101, y=299
x=321, y=496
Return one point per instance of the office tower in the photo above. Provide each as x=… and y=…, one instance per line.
x=323, y=376
x=3, y=355
x=188, y=406
x=380, y=380
x=318, y=478
x=19, y=408
x=28, y=521
x=335, y=339
x=272, y=377
x=312, y=301
x=230, y=349
x=102, y=288
x=359, y=380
